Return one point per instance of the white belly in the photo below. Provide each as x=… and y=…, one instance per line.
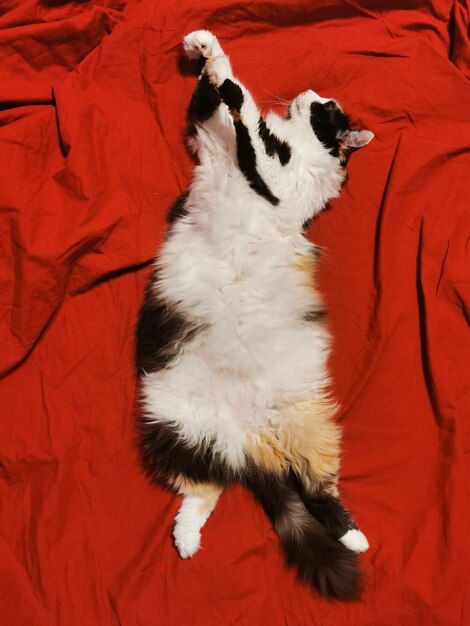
x=255, y=353
x=220, y=387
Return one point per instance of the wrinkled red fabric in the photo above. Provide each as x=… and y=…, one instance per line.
x=92, y=116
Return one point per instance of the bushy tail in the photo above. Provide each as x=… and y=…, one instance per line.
x=321, y=559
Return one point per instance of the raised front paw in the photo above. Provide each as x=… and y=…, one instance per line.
x=218, y=69
x=201, y=43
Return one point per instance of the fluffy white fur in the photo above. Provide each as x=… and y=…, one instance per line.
x=193, y=514
x=232, y=264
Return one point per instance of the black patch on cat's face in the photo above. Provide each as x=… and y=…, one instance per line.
x=204, y=103
x=327, y=120
x=178, y=209
x=247, y=162
x=162, y=331
x=272, y=144
x=166, y=455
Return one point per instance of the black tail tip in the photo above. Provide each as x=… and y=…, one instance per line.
x=343, y=582
x=330, y=568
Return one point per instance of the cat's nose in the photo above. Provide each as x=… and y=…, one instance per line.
x=307, y=96
x=316, y=97
x=304, y=98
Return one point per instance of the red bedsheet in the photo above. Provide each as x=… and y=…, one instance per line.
x=92, y=114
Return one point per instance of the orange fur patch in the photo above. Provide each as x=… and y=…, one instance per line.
x=304, y=438
x=237, y=117
x=305, y=266
x=305, y=263
x=208, y=492
x=265, y=451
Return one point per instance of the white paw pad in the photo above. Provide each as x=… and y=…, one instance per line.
x=201, y=43
x=187, y=541
x=218, y=70
x=355, y=540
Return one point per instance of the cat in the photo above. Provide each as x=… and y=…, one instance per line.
x=232, y=340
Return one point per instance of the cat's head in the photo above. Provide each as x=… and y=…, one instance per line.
x=320, y=139
x=323, y=117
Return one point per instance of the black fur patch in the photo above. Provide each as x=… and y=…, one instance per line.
x=178, y=209
x=306, y=225
x=161, y=333
x=273, y=145
x=204, y=103
x=327, y=120
x=165, y=455
x=247, y=161
x=231, y=94
x=269, y=489
x=315, y=316
x=331, y=513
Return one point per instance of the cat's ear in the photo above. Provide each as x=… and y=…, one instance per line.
x=356, y=138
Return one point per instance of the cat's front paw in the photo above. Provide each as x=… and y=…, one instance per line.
x=187, y=541
x=201, y=43
x=218, y=69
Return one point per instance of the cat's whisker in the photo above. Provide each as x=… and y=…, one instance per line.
x=271, y=102
x=278, y=99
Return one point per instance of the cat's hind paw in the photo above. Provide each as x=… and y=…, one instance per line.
x=187, y=542
x=201, y=43
x=355, y=540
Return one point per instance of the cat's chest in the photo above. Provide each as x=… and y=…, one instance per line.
x=242, y=283
x=253, y=301
x=239, y=278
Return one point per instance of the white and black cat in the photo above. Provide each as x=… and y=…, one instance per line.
x=232, y=344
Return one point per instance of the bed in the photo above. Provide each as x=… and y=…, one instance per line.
x=92, y=117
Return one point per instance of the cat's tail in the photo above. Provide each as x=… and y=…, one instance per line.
x=321, y=559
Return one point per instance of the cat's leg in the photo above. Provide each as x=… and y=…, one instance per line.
x=317, y=472
x=255, y=144
x=210, y=126
x=199, y=500
x=320, y=559
x=330, y=511
x=306, y=442
x=203, y=45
